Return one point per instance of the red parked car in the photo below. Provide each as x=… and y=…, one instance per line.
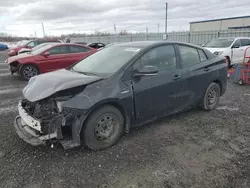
x=48, y=58
x=29, y=44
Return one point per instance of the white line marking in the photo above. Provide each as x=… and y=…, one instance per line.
x=7, y=110
x=227, y=108
x=11, y=90
x=123, y=92
x=8, y=102
x=5, y=74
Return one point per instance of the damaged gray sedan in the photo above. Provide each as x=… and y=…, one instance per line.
x=96, y=100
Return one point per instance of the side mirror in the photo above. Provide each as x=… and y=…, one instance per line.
x=46, y=54
x=235, y=46
x=146, y=71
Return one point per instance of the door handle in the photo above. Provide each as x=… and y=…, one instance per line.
x=206, y=69
x=176, y=77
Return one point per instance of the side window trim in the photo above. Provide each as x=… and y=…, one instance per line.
x=181, y=60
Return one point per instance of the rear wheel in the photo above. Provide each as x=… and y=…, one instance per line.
x=211, y=98
x=103, y=128
x=28, y=71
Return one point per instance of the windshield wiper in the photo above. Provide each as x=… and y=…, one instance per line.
x=86, y=73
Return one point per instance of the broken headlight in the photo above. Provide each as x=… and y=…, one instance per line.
x=62, y=96
x=61, y=100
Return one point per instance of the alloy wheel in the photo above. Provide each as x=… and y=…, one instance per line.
x=29, y=71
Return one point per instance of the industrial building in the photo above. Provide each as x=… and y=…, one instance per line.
x=242, y=22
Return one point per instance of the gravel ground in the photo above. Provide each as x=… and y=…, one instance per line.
x=192, y=149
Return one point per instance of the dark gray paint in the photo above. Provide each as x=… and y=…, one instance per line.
x=45, y=85
x=140, y=100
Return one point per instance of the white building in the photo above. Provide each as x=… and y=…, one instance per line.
x=242, y=22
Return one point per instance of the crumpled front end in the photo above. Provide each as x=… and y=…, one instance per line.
x=38, y=122
x=48, y=113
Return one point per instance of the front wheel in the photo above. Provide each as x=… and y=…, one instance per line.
x=103, y=128
x=28, y=71
x=211, y=98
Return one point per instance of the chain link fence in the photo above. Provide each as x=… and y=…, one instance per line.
x=197, y=37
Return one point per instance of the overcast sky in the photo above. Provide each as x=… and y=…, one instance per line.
x=24, y=17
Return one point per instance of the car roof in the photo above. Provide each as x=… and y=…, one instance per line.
x=47, y=40
x=145, y=44
x=66, y=44
x=50, y=43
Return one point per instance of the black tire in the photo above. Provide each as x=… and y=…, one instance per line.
x=93, y=132
x=24, y=71
x=208, y=102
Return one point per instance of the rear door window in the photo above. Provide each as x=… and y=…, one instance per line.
x=59, y=50
x=189, y=56
x=78, y=49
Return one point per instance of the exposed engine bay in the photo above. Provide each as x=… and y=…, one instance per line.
x=49, y=112
x=45, y=111
x=46, y=119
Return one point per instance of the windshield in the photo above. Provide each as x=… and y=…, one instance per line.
x=23, y=42
x=106, y=62
x=41, y=49
x=220, y=43
x=40, y=46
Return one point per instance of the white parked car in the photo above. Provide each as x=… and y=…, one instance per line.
x=231, y=48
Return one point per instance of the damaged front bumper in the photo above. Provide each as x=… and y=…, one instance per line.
x=29, y=129
x=37, y=132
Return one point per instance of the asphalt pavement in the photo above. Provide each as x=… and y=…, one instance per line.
x=192, y=149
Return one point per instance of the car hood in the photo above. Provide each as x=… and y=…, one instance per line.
x=45, y=85
x=215, y=49
x=16, y=48
x=24, y=49
x=18, y=57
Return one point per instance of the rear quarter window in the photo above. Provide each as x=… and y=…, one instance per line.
x=209, y=54
x=202, y=55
